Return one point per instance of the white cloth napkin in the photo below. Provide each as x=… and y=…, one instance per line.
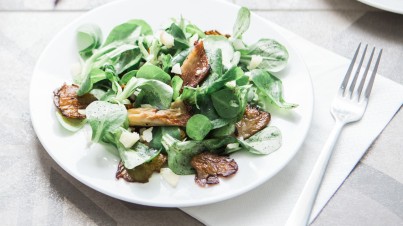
x=271, y=203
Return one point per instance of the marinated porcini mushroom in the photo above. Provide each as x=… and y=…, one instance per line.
x=177, y=115
x=66, y=100
x=143, y=172
x=209, y=166
x=252, y=122
x=196, y=67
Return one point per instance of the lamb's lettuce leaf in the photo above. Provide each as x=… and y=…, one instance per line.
x=242, y=23
x=263, y=142
x=269, y=88
x=89, y=38
x=105, y=117
x=159, y=94
x=273, y=54
x=149, y=71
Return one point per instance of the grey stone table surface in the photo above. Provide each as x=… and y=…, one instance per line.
x=34, y=190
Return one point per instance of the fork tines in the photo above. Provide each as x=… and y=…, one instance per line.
x=346, y=80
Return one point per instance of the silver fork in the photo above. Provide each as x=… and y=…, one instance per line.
x=348, y=106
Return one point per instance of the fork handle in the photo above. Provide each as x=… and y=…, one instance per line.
x=303, y=208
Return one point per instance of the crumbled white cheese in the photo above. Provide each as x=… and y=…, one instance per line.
x=128, y=139
x=193, y=39
x=147, y=134
x=238, y=44
x=232, y=145
x=167, y=39
x=255, y=62
x=81, y=111
x=176, y=69
x=231, y=84
x=170, y=177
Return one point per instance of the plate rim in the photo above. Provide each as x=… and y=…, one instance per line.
x=384, y=7
x=100, y=189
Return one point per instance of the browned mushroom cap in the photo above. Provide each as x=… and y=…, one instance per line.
x=67, y=101
x=215, y=32
x=209, y=166
x=196, y=67
x=143, y=172
x=177, y=115
x=252, y=122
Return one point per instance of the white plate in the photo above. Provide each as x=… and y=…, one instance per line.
x=395, y=6
x=96, y=167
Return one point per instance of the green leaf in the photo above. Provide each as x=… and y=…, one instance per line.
x=271, y=87
x=72, y=125
x=180, y=41
x=102, y=57
x=137, y=155
x=149, y=71
x=198, y=126
x=192, y=95
x=220, y=122
x=193, y=29
x=105, y=117
x=176, y=84
x=226, y=103
x=158, y=93
x=274, y=55
x=242, y=23
x=264, y=142
x=128, y=30
x=180, y=57
x=214, y=42
x=166, y=64
x=126, y=77
x=126, y=60
x=159, y=131
x=89, y=37
x=233, y=73
x=180, y=153
x=215, y=60
x=224, y=131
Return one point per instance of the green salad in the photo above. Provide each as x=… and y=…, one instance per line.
x=179, y=100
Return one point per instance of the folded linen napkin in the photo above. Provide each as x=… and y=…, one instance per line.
x=272, y=202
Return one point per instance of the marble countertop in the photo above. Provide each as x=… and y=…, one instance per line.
x=34, y=190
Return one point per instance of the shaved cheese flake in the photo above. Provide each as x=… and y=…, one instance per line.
x=147, y=134
x=170, y=177
x=255, y=62
x=232, y=145
x=167, y=39
x=128, y=139
x=176, y=69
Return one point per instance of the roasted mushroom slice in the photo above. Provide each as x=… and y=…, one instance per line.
x=209, y=166
x=252, y=122
x=177, y=115
x=67, y=101
x=141, y=173
x=215, y=32
x=196, y=67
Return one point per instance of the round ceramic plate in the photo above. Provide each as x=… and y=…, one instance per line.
x=395, y=6
x=93, y=164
